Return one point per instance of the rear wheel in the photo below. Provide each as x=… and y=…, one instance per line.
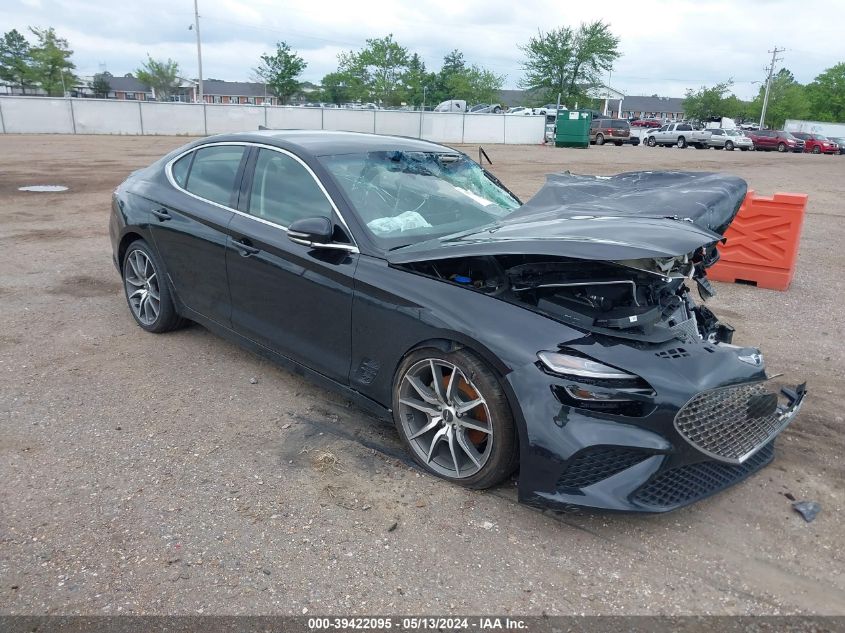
x=454, y=418
x=147, y=291
x=682, y=142
x=599, y=139
x=729, y=146
x=618, y=143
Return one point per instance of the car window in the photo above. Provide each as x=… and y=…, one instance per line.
x=684, y=128
x=212, y=174
x=717, y=132
x=283, y=190
x=621, y=124
x=180, y=169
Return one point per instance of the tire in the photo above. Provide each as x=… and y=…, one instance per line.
x=682, y=142
x=817, y=150
x=144, y=276
x=781, y=147
x=618, y=143
x=495, y=448
x=599, y=139
x=743, y=149
x=651, y=141
x=729, y=146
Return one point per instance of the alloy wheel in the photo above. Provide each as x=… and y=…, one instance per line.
x=142, y=288
x=445, y=418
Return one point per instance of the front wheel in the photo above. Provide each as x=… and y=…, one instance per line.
x=147, y=291
x=452, y=414
x=651, y=141
x=781, y=147
x=817, y=150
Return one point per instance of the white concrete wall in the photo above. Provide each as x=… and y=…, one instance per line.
x=39, y=115
x=484, y=128
x=100, y=116
x=525, y=130
x=398, y=123
x=349, y=120
x=233, y=118
x=291, y=118
x=443, y=127
x=172, y=118
x=107, y=116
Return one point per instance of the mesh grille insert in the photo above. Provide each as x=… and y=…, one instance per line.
x=594, y=464
x=689, y=483
x=731, y=422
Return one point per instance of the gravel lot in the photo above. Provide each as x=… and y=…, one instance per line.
x=148, y=474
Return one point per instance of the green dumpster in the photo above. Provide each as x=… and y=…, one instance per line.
x=573, y=128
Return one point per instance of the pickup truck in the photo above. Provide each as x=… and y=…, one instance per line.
x=680, y=134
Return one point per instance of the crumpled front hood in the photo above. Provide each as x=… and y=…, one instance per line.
x=629, y=216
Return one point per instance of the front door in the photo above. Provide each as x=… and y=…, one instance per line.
x=293, y=299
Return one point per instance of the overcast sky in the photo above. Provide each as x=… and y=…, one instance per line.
x=667, y=45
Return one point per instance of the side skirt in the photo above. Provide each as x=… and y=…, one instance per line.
x=360, y=400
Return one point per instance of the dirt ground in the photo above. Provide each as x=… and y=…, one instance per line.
x=148, y=474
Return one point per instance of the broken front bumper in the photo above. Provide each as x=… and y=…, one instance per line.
x=661, y=459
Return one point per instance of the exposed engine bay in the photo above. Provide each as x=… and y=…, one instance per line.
x=649, y=300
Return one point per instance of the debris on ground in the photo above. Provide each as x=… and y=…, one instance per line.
x=324, y=461
x=253, y=381
x=807, y=509
x=393, y=526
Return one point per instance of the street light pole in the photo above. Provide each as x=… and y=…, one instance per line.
x=199, y=50
x=423, y=103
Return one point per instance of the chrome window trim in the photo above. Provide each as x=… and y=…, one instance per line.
x=168, y=171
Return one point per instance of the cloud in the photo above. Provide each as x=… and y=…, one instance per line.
x=668, y=46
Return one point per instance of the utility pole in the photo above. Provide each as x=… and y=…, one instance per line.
x=771, y=70
x=199, y=49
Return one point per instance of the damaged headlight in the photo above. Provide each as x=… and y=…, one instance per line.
x=576, y=366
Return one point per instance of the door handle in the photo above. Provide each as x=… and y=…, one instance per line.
x=162, y=215
x=245, y=247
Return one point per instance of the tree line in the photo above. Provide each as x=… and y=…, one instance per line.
x=563, y=61
x=823, y=99
x=566, y=61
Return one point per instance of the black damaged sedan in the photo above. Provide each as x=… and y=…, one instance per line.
x=558, y=337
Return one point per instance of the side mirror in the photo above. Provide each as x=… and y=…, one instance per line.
x=311, y=231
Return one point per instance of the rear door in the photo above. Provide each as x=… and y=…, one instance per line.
x=191, y=222
x=293, y=299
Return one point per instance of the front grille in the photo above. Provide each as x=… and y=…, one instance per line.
x=594, y=464
x=730, y=423
x=689, y=483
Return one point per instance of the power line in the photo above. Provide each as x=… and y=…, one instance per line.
x=771, y=69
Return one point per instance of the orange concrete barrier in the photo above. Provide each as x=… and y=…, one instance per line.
x=762, y=241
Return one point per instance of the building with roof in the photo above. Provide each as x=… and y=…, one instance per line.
x=653, y=107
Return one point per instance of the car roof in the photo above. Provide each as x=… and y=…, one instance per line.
x=327, y=142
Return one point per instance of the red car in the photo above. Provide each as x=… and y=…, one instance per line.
x=817, y=144
x=767, y=140
x=646, y=123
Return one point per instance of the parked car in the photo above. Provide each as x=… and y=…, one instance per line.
x=840, y=141
x=769, y=140
x=557, y=336
x=655, y=123
x=616, y=131
x=729, y=140
x=680, y=134
x=520, y=111
x=486, y=108
x=817, y=144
